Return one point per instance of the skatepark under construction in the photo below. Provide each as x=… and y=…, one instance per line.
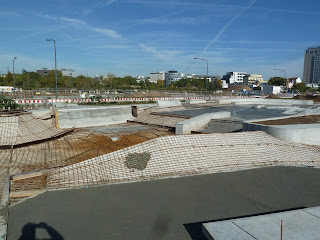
x=37, y=158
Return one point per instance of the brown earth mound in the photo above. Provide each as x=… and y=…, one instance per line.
x=315, y=98
x=147, y=94
x=238, y=88
x=272, y=96
x=293, y=120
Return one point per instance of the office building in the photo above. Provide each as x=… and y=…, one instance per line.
x=234, y=77
x=68, y=72
x=155, y=76
x=65, y=72
x=311, y=71
x=252, y=79
x=172, y=76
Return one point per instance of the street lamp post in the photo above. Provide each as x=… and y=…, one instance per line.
x=14, y=81
x=207, y=72
x=285, y=74
x=55, y=64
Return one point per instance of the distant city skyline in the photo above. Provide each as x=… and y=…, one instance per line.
x=137, y=37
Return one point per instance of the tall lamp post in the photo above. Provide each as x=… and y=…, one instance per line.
x=207, y=72
x=55, y=64
x=285, y=74
x=14, y=81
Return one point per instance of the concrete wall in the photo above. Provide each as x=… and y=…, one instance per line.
x=196, y=123
x=246, y=101
x=196, y=101
x=88, y=117
x=298, y=133
x=169, y=103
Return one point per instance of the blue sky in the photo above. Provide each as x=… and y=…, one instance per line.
x=136, y=37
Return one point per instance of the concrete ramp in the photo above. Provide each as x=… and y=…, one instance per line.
x=196, y=123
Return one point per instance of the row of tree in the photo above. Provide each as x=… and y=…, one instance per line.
x=32, y=80
x=297, y=87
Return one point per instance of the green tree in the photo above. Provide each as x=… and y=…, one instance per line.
x=8, y=80
x=277, y=81
x=299, y=87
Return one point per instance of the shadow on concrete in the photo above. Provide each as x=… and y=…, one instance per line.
x=31, y=231
x=195, y=229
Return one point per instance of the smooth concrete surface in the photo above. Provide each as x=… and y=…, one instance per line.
x=196, y=101
x=297, y=225
x=264, y=101
x=168, y=103
x=166, y=209
x=99, y=116
x=196, y=123
x=298, y=133
x=238, y=113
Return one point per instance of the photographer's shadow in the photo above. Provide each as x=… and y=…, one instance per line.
x=33, y=231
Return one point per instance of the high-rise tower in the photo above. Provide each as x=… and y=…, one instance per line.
x=311, y=71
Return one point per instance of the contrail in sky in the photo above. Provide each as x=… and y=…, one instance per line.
x=226, y=27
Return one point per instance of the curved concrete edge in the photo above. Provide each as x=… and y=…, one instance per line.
x=90, y=117
x=246, y=101
x=297, y=133
x=199, y=122
x=169, y=103
x=196, y=101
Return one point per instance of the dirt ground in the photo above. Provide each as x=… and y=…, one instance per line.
x=293, y=120
x=315, y=98
x=238, y=88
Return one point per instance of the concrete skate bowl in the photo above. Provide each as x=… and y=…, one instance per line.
x=299, y=129
x=21, y=128
x=27, y=165
x=181, y=155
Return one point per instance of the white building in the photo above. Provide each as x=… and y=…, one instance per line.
x=172, y=76
x=269, y=89
x=211, y=78
x=140, y=78
x=155, y=76
x=234, y=77
x=68, y=72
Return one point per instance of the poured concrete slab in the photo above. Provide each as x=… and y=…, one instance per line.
x=297, y=224
x=165, y=209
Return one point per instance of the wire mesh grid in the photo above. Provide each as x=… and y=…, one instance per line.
x=184, y=155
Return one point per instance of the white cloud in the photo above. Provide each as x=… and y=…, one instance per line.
x=107, y=32
x=181, y=20
x=98, y=5
x=80, y=24
x=165, y=55
x=225, y=27
x=9, y=14
x=115, y=46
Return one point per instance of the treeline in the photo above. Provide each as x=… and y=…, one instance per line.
x=32, y=80
x=195, y=84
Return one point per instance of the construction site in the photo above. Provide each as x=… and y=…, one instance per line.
x=123, y=172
